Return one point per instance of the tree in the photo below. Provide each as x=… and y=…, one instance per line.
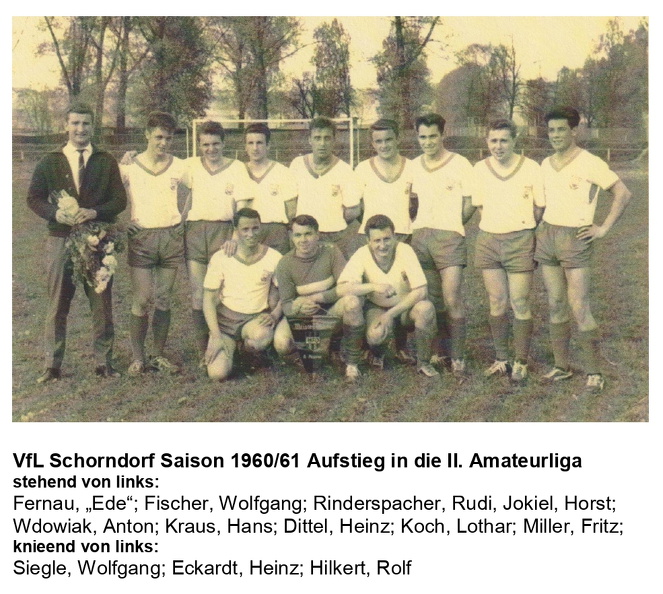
x=537, y=100
x=71, y=44
x=132, y=51
x=175, y=73
x=402, y=73
x=495, y=85
x=332, y=69
x=249, y=51
x=37, y=108
x=87, y=50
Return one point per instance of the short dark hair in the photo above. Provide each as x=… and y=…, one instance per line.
x=79, y=107
x=430, y=119
x=322, y=123
x=385, y=124
x=212, y=128
x=503, y=124
x=379, y=221
x=570, y=114
x=245, y=213
x=305, y=220
x=258, y=128
x=161, y=119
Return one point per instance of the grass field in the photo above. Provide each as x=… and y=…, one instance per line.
x=620, y=303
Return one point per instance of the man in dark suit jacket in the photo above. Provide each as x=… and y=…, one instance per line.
x=92, y=177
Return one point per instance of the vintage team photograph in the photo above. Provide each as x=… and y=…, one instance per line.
x=325, y=219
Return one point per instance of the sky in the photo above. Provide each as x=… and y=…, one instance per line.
x=543, y=45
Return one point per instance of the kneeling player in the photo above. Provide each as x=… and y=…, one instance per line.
x=388, y=273
x=307, y=279
x=240, y=301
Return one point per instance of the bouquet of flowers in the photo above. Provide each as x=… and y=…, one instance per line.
x=66, y=203
x=92, y=247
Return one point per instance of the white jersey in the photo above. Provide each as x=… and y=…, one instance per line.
x=244, y=288
x=214, y=194
x=440, y=190
x=572, y=192
x=507, y=197
x=324, y=195
x=153, y=196
x=404, y=275
x=271, y=191
x=384, y=197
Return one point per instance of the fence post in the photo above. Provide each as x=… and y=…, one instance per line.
x=608, y=155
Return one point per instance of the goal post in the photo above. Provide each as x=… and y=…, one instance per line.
x=289, y=137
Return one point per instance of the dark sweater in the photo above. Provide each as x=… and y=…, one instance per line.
x=101, y=188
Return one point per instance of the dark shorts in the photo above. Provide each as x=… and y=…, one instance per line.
x=275, y=235
x=371, y=310
x=559, y=246
x=438, y=249
x=202, y=239
x=163, y=247
x=231, y=322
x=514, y=252
x=346, y=240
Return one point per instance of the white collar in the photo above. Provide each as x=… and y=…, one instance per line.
x=72, y=150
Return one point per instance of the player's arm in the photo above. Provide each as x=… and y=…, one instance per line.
x=291, y=209
x=216, y=343
x=275, y=313
x=362, y=289
x=468, y=209
x=621, y=196
x=38, y=195
x=413, y=297
x=350, y=213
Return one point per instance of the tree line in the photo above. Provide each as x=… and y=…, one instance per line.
x=134, y=65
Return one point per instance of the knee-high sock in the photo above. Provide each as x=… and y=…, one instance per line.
x=560, y=338
x=353, y=336
x=458, y=331
x=444, y=336
x=160, y=327
x=590, y=342
x=423, y=338
x=522, y=337
x=137, y=333
x=200, y=329
x=499, y=328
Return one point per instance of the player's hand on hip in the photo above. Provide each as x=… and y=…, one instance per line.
x=590, y=233
x=133, y=228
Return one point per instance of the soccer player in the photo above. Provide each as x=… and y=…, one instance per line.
x=273, y=191
x=385, y=180
x=92, y=177
x=307, y=278
x=217, y=184
x=156, y=239
x=240, y=301
x=326, y=186
x=388, y=273
x=442, y=181
x=508, y=190
x=565, y=241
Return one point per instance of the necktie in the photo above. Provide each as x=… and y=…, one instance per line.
x=81, y=167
